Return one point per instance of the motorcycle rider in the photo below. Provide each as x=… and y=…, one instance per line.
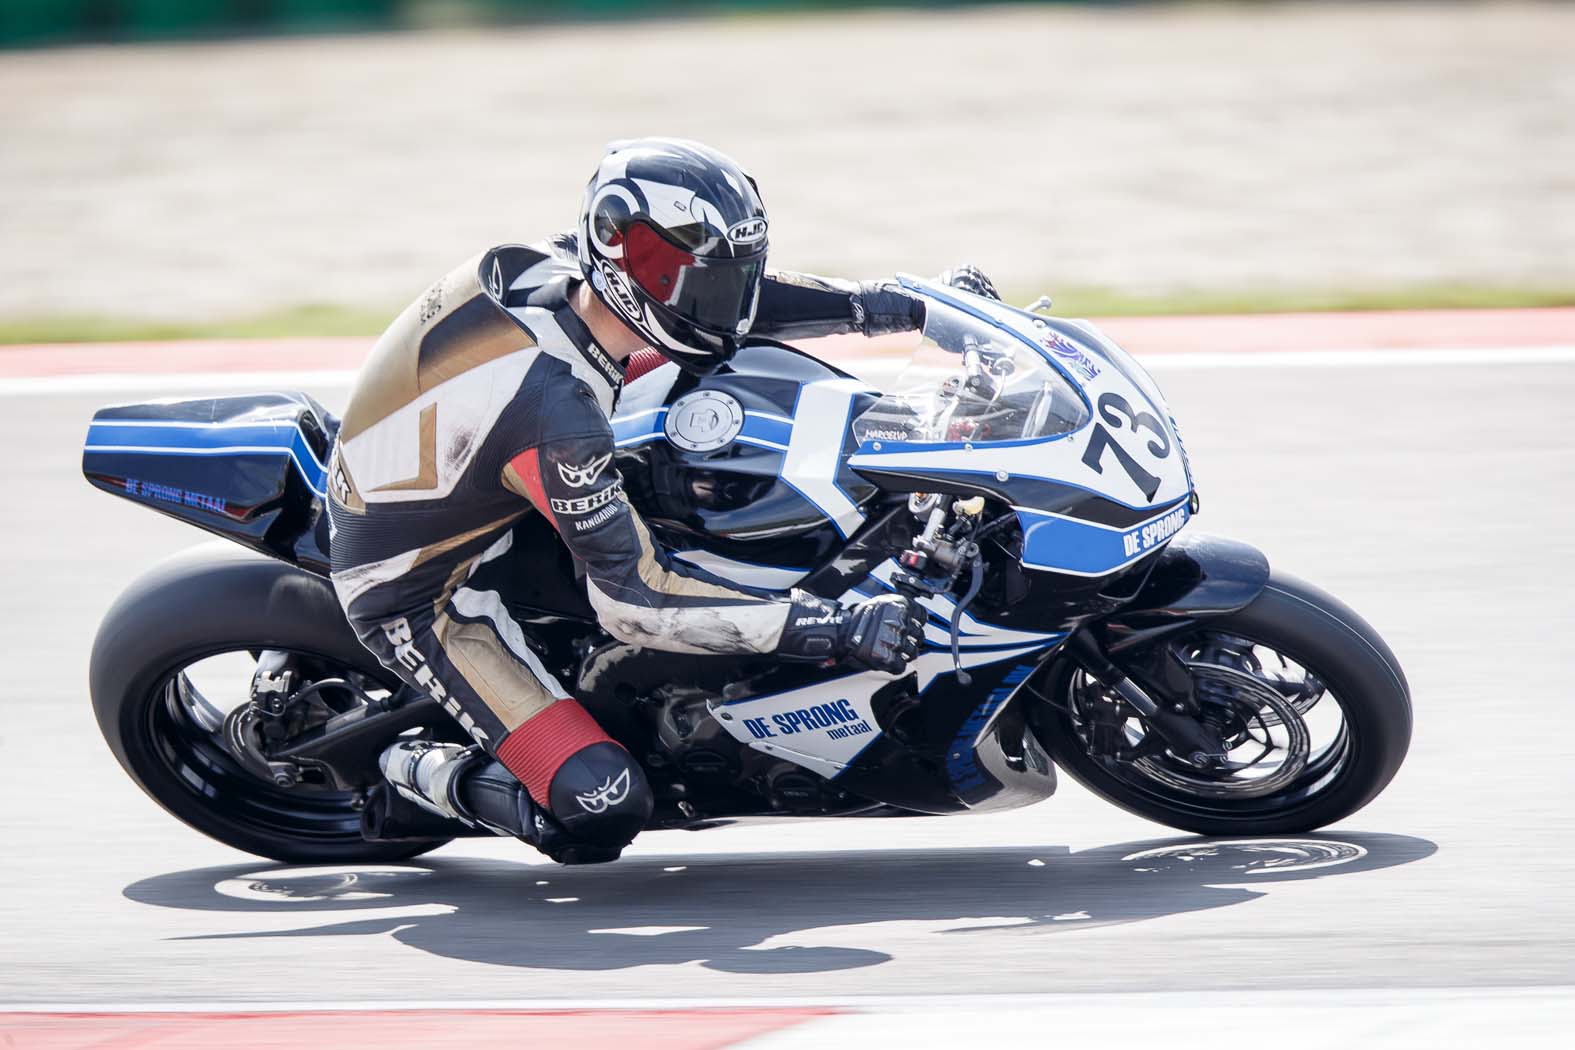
x=489, y=398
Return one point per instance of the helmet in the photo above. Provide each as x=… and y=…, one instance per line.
x=673, y=240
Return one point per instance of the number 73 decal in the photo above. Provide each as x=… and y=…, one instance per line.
x=1119, y=416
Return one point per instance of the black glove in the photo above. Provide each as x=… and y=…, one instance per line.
x=970, y=279
x=882, y=307
x=878, y=634
x=883, y=634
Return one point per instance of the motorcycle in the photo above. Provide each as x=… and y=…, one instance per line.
x=1024, y=480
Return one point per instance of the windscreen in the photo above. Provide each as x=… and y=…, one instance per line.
x=970, y=381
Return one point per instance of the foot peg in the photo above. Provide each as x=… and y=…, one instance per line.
x=449, y=783
x=425, y=773
x=389, y=816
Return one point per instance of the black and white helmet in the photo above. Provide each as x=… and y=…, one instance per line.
x=673, y=240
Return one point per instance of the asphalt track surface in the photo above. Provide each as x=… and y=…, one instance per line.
x=1434, y=499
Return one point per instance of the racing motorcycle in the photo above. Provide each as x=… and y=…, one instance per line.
x=1023, y=479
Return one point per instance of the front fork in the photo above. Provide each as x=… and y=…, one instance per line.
x=1173, y=716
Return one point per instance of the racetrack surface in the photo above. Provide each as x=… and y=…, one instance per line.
x=1435, y=500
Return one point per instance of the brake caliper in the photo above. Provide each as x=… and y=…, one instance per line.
x=263, y=722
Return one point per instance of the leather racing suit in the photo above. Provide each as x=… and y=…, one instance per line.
x=486, y=400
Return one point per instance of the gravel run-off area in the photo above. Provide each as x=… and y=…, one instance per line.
x=1134, y=148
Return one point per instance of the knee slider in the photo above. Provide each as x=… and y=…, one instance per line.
x=600, y=795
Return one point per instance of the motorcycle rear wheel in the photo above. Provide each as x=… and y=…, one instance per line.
x=210, y=601
x=1312, y=631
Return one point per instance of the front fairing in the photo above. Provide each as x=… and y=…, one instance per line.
x=1093, y=465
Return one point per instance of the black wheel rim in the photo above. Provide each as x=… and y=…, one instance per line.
x=182, y=731
x=1297, y=708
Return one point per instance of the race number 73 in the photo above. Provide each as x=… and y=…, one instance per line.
x=1117, y=413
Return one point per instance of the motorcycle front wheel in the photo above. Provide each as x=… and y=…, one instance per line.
x=1309, y=701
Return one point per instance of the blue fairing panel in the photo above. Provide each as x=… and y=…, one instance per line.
x=250, y=468
x=1081, y=548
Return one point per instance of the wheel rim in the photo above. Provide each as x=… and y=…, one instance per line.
x=183, y=729
x=1287, y=734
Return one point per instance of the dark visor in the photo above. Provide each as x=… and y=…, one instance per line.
x=714, y=294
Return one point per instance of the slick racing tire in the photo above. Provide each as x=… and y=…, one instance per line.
x=1312, y=631
x=212, y=600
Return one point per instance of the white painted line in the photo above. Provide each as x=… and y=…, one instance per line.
x=1464, y=1018
x=1371, y=358
x=173, y=382
x=925, y=1000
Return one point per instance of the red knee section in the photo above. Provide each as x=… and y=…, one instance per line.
x=535, y=750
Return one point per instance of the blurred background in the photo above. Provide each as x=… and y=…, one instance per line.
x=287, y=167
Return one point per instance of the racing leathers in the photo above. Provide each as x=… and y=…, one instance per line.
x=486, y=400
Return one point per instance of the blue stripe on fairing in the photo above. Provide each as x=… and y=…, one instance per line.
x=639, y=427
x=218, y=435
x=1053, y=543
x=962, y=767
x=766, y=428
x=763, y=431
x=853, y=760
x=171, y=438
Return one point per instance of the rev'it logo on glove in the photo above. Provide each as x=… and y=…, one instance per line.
x=612, y=791
x=583, y=476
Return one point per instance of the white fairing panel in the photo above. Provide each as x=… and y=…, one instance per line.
x=747, y=573
x=824, y=726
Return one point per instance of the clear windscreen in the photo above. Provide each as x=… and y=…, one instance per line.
x=970, y=381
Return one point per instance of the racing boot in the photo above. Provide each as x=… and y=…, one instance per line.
x=463, y=784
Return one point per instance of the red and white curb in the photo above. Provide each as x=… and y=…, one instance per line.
x=1423, y=1018
x=1382, y=339
x=378, y=1028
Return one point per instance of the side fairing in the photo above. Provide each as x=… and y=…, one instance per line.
x=834, y=727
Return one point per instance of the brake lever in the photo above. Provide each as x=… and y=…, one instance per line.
x=975, y=582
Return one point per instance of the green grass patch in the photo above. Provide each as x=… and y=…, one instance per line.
x=1107, y=302
x=312, y=320
x=329, y=320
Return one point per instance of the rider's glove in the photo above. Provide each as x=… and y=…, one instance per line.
x=878, y=634
x=882, y=307
x=970, y=279
x=883, y=634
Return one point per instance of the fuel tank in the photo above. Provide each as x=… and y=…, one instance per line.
x=745, y=472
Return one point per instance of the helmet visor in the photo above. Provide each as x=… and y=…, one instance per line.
x=717, y=295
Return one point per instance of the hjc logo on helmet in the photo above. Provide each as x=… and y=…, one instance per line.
x=608, y=280
x=748, y=231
